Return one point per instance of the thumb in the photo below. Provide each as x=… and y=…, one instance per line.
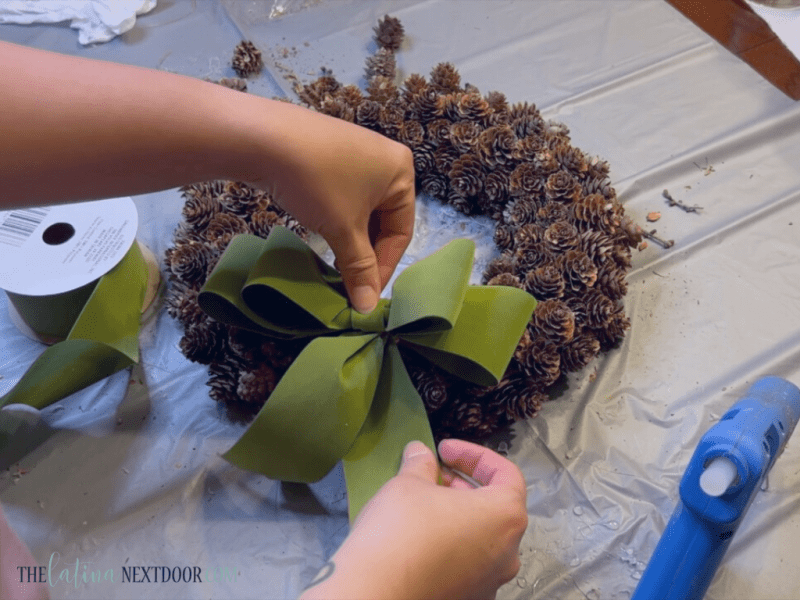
x=419, y=461
x=356, y=261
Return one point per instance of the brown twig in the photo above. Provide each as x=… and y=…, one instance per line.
x=672, y=202
x=651, y=235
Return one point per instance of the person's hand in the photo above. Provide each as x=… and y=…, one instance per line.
x=15, y=584
x=417, y=539
x=351, y=185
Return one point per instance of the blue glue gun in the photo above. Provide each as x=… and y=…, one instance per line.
x=724, y=475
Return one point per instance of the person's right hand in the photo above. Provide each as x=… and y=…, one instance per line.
x=417, y=539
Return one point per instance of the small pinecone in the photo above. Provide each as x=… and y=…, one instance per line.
x=438, y=131
x=496, y=146
x=432, y=388
x=562, y=186
x=597, y=168
x=520, y=212
x=445, y=78
x=424, y=105
x=424, y=158
x=381, y=64
x=350, y=95
x=546, y=162
x=368, y=114
x=223, y=227
x=516, y=397
x=464, y=135
x=490, y=206
x=239, y=198
x=471, y=419
x=599, y=308
x=598, y=185
x=198, y=210
x=338, y=108
x=578, y=270
x=611, y=281
x=506, y=279
x=497, y=186
x=502, y=264
x=504, y=236
x=552, y=212
x=613, y=333
x=247, y=59
x=571, y=159
x=464, y=204
x=435, y=185
x=223, y=381
x=447, y=106
x=631, y=232
x=389, y=33
x=411, y=133
x=529, y=256
x=181, y=303
x=528, y=147
x=579, y=352
x=466, y=175
x=234, y=83
x=255, y=386
x=204, y=342
x=554, y=321
x=598, y=212
x=262, y=222
x=499, y=104
x=578, y=308
x=188, y=262
x=473, y=107
x=527, y=235
x=597, y=245
x=540, y=361
x=526, y=180
x=413, y=85
x=444, y=156
x=527, y=125
x=545, y=282
x=382, y=90
x=561, y=236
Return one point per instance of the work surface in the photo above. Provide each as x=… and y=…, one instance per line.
x=128, y=472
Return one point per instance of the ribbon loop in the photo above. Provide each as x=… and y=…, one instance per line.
x=374, y=322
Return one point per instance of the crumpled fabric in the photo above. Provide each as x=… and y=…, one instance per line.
x=96, y=20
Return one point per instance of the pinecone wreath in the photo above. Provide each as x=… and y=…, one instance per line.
x=563, y=235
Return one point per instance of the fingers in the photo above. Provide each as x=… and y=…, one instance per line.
x=483, y=465
x=391, y=230
x=419, y=461
x=358, y=265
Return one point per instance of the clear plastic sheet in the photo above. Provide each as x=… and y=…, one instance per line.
x=128, y=473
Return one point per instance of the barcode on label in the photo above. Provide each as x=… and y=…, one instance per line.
x=17, y=226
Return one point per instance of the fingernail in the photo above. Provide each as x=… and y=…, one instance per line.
x=413, y=449
x=363, y=299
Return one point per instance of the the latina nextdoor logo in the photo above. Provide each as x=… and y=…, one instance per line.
x=83, y=573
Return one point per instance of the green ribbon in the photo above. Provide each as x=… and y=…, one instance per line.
x=348, y=395
x=104, y=339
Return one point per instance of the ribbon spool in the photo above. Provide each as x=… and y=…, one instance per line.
x=76, y=278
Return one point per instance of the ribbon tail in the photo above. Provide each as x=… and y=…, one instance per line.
x=397, y=417
x=103, y=340
x=313, y=416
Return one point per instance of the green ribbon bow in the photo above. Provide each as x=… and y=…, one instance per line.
x=104, y=339
x=348, y=396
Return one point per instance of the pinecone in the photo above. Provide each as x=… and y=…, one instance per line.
x=223, y=227
x=338, y=108
x=502, y=264
x=188, y=262
x=597, y=245
x=611, y=281
x=381, y=64
x=256, y=386
x=239, y=198
x=540, y=361
x=389, y=33
x=496, y=187
x=571, y=159
x=181, y=303
x=527, y=235
x=496, y=146
x=262, y=222
x=199, y=209
x=552, y=212
x=464, y=204
x=204, y=342
x=438, y=131
x=599, y=308
x=529, y=256
x=413, y=85
x=424, y=158
x=526, y=181
x=504, y=236
x=435, y=185
x=444, y=156
x=411, y=133
x=463, y=136
x=445, y=79
x=466, y=175
x=561, y=236
x=247, y=59
x=506, y=279
x=579, y=352
x=578, y=270
x=473, y=107
x=521, y=212
x=499, y=104
x=553, y=321
x=368, y=114
x=528, y=147
x=598, y=212
x=234, y=83
x=545, y=282
x=561, y=186
x=423, y=105
x=382, y=90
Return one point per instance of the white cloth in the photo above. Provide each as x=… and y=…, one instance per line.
x=95, y=20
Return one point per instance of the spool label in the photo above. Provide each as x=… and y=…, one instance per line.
x=56, y=249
